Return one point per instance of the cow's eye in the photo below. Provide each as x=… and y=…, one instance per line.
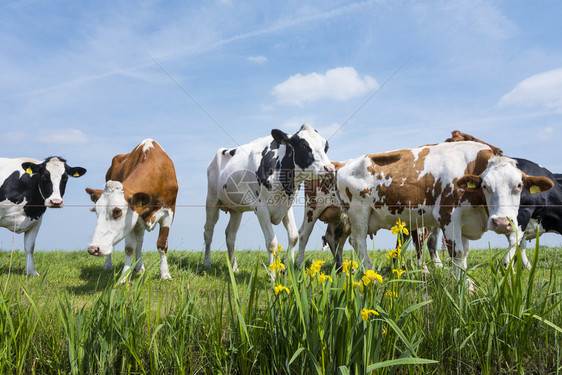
x=117, y=212
x=520, y=186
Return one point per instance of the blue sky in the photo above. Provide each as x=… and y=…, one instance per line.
x=88, y=80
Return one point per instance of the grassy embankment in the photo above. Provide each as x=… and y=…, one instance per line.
x=76, y=319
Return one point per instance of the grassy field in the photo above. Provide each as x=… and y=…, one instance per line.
x=75, y=318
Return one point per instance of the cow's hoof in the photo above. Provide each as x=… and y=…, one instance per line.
x=124, y=281
x=425, y=269
x=140, y=270
x=33, y=273
x=207, y=263
x=166, y=276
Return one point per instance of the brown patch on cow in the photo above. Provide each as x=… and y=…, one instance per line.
x=407, y=189
x=385, y=158
x=162, y=242
x=458, y=136
x=363, y=193
x=309, y=215
x=348, y=193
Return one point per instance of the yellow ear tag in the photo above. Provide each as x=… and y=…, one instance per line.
x=471, y=185
x=282, y=142
x=28, y=171
x=76, y=174
x=535, y=189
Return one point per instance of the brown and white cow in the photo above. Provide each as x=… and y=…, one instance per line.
x=140, y=192
x=460, y=187
x=321, y=203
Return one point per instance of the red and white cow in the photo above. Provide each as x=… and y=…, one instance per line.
x=140, y=192
x=28, y=187
x=262, y=176
x=461, y=187
x=322, y=203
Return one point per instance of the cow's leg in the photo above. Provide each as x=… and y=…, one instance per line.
x=292, y=232
x=432, y=242
x=139, y=267
x=108, y=264
x=267, y=229
x=458, y=249
x=417, y=239
x=359, y=219
x=130, y=246
x=231, y=230
x=212, y=210
x=162, y=246
x=29, y=244
x=310, y=217
x=525, y=262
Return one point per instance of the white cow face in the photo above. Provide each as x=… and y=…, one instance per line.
x=502, y=183
x=309, y=150
x=116, y=217
x=51, y=177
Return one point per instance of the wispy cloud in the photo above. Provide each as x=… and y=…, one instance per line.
x=337, y=84
x=257, y=59
x=541, y=90
x=62, y=136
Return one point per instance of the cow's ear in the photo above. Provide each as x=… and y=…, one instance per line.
x=75, y=171
x=279, y=136
x=95, y=194
x=30, y=168
x=537, y=184
x=140, y=200
x=469, y=182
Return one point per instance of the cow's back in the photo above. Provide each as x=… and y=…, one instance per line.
x=419, y=176
x=146, y=169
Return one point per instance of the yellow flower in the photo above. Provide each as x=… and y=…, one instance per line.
x=348, y=266
x=393, y=254
x=383, y=332
x=276, y=266
x=315, y=268
x=276, y=252
x=370, y=277
x=398, y=272
x=366, y=312
x=391, y=294
x=322, y=278
x=280, y=288
x=400, y=227
x=358, y=284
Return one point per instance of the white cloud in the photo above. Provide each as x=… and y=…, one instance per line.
x=62, y=136
x=257, y=59
x=543, y=90
x=336, y=84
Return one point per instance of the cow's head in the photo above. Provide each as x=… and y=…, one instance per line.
x=502, y=183
x=309, y=150
x=118, y=212
x=52, y=175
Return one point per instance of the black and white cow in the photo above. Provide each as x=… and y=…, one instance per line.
x=28, y=187
x=262, y=176
x=536, y=211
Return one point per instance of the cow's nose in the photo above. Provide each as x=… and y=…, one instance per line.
x=501, y=225
x=329, y=168
x=55, y=203
x=94, y=250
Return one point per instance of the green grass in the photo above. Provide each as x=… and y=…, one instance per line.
x=77, y=318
